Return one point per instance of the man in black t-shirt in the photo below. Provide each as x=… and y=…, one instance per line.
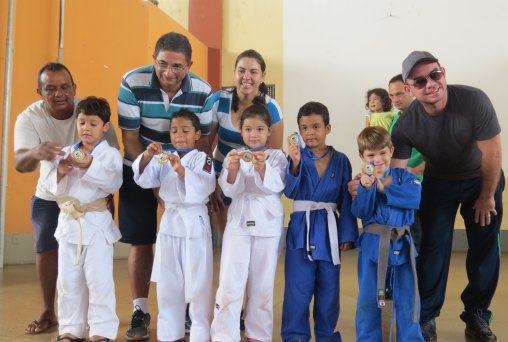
x=456, y=129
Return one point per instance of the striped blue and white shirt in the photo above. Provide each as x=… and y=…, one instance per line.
x=229, y=137
x=143, y=105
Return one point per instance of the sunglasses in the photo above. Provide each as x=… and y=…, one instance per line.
x=421, y=82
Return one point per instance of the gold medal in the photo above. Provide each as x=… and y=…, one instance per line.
x=162, y=158
x=78, y=155
x=294, y=139
x=247, y=156
x=368, y=168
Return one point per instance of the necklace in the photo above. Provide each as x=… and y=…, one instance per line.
x=313, y=157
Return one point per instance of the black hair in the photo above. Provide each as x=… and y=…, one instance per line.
x=92, y=105
x=186, y=114
x=396, y=78
x=383, y=95
x=175, y=42
x=52, y=67
x=256, y=111
x=263, y=89
x=314, y=108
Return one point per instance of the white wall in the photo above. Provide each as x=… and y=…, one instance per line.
x=335, y=50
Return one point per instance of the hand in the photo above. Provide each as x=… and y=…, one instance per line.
x=64, y=167
x=352, y=186
x=258, y=160
x=47, y=151
x=346, y=246
x=152, y=150
x=367, y=181
x=294, y=153
x=176, y=162
x=82, y=163
x=484, y=208
x=233, y=160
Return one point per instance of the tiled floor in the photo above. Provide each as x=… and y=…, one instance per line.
x=19, y=301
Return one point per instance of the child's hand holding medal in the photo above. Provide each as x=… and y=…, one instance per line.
x=367, y=175
x=294, y=148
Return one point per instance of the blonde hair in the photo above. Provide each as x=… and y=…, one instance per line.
x=373, y=138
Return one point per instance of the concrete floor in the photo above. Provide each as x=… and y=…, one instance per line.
x=20, y=303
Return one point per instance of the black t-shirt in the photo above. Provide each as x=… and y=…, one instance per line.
x=448, y=141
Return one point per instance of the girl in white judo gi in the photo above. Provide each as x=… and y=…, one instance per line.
x=252, y=242
x=82, y=178
x=183, y=264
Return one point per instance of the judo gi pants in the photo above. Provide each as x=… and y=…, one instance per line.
x=173, y=286
x=368, y=315
x=86, y=292
x=440, y=201
x=246, y=261
x=304, y=279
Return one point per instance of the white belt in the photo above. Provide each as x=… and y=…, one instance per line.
x=330, y=208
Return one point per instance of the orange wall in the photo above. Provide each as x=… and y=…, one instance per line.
x=103, y=40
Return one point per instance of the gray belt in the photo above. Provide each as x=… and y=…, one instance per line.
x=385, y=235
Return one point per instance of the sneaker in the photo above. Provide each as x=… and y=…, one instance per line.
x=477, y=329
x=138, y=330
x=242, y=322
x=188, y=325
x=188, y=321
x=429, y=330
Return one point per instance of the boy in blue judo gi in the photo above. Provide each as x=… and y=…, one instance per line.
x=317, y=178
x=385, y=203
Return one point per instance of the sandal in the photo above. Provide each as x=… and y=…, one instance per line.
x=40, y=326
x=70, y=339
x=104, y=339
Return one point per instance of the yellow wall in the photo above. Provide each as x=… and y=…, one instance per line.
x=103, y=40
x=254, y=25
x=177, y=9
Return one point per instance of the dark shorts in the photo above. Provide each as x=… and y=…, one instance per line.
x=137, y=211
x=44, y=217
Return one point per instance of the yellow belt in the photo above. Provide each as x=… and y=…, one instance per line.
x=71, y=206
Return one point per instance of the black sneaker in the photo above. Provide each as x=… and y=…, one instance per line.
x=138, y=330
x=188, y=321
x=429, y=330
x=242, y=322
x=477, y=328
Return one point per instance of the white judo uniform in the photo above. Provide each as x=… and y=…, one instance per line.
x=85, y=284
x=183, y=267
x=250, y=249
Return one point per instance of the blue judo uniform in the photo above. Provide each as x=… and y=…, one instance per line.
x=395, y=208
x=312, y=263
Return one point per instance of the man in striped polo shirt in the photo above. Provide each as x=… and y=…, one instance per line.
x=147, y=99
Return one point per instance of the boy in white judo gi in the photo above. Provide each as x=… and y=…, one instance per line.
x=82, y=179
x=183, y=264
x=252, y=242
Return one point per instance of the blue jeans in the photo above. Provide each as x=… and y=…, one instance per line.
x=440, y=201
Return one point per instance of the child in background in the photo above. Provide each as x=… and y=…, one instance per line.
x=81, y=180
x=317, y=178
x=385, y=203
x=379, y=105
x=183, y=263
x=252, y=242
